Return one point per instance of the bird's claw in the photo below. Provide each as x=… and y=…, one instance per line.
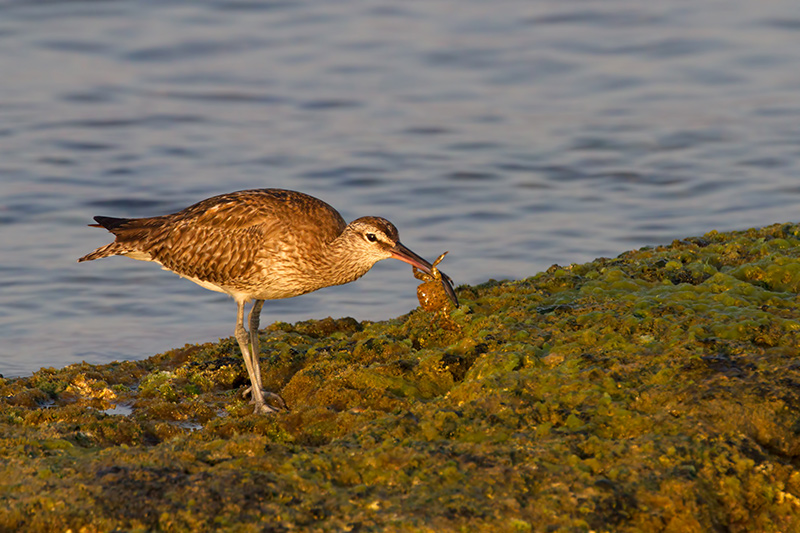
x=278, y=403
x=264, y=409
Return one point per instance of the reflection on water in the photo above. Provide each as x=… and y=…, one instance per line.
x=515, y=134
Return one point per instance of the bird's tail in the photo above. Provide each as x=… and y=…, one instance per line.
x=115, y=248
x=105, y=251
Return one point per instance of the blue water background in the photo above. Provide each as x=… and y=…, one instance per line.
x=514, y=133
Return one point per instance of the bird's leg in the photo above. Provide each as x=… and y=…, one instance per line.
x=251, y=363
x=254, y=356
x=255, y=319
x=244, y=345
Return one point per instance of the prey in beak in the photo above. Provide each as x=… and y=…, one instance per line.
x=399, y=251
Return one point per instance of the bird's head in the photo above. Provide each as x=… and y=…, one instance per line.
x=375, y=238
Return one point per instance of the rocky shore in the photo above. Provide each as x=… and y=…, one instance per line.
x=657, y=391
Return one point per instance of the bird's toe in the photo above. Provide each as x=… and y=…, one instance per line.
x=277, y=402
x=269, y=402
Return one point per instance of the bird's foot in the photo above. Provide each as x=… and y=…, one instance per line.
x=276, y=403
x=264, y=409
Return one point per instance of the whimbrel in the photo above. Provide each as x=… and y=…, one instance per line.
x=256, y=245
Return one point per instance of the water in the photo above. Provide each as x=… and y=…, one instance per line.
x=515, y=134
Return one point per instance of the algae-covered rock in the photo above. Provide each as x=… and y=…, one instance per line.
x=657, y=391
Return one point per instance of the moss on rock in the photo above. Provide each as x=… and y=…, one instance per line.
x=657, y=391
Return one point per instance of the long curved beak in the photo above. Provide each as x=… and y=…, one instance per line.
x=399, y=251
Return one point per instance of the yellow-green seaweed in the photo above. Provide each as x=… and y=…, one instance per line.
x=656, y=391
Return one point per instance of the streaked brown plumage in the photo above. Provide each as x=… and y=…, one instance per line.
x=260, y=244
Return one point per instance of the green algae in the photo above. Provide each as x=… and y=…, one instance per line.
x=656, y=391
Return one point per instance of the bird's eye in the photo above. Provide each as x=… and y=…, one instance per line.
x=371, y=237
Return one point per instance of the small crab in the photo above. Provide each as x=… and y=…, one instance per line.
x=436, y=294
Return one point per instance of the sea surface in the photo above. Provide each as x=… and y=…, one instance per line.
x=514, y=133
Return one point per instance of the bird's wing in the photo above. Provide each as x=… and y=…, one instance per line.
x=228, y=237
x=233, y=235
x=216, y=241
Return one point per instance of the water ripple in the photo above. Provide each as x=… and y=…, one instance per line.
x=330, y=103
x=125, y=204
x=227, y=97
x=515, y=135
x=472, y=176
x=347, y=172
x=194, y=49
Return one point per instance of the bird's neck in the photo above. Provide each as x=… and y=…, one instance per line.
x=338, y=264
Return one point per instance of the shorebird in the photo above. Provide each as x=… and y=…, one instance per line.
x=256, y=245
